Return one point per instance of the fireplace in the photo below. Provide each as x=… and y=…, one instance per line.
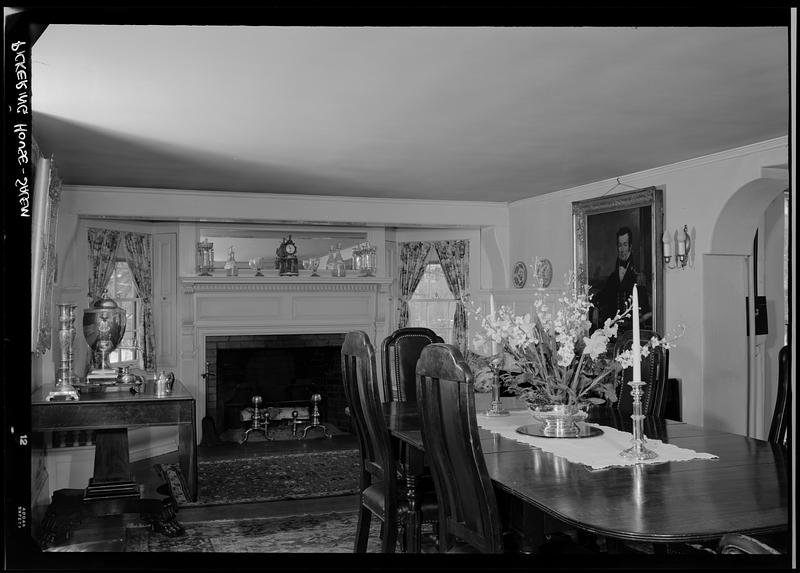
x=278, y=337
x=284, y=368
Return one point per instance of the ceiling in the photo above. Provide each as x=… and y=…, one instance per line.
x=471, y=113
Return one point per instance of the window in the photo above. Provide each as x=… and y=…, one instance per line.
x=432, y=304
x=122, y=288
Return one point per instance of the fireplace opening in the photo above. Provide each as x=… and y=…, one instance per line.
x=282, y=369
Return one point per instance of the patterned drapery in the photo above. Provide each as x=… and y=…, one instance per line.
x=412, y=266
x=454, y=256
x=102, y=252
x=141, y=264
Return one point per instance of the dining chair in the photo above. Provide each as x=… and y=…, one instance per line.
x=399, y=354
x=655, y=371
x=738, y=544
x=778, y=429
x=469, y=516
x=380, y=490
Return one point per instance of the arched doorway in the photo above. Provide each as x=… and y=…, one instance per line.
x=733, y=387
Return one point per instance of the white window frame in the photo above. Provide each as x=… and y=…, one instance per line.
x=446, y=334
x=115, y=358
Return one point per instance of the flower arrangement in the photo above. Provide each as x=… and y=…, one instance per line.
x=551, y=358
x=482, y=373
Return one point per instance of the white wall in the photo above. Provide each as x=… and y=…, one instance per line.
x=187, y=205
x=695, y=193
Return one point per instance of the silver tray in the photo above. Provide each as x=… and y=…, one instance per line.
x=536, y=430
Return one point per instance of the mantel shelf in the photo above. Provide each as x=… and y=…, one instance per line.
x=279, y=280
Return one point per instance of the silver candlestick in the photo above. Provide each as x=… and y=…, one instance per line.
x=496, y=407
x=66, y=337
x=638, y=451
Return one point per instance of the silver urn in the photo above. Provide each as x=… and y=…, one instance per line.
x=103, y=329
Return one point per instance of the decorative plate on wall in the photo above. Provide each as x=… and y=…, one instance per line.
x=543, y=272
x=520, y=274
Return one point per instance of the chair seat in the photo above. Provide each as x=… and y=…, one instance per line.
x=373, y=499
x=373, y=496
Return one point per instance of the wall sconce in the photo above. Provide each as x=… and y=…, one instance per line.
x=683, y=246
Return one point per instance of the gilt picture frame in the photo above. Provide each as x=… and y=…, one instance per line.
x=47, y=193
x=596, y=223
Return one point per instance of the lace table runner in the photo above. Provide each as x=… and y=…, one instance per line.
x=597, y=452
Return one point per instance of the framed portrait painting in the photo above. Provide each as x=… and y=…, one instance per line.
x=617, y=242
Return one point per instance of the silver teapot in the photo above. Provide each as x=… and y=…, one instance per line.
x=164, y=384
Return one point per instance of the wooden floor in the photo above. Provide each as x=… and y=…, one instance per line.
x=107, y=533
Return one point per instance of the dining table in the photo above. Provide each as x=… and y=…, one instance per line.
x=743, y=489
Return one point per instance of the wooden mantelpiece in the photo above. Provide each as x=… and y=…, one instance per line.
x=274, y=305
x=278, y=283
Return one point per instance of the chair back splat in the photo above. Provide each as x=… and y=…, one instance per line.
x=399, y=354
x=468, y=508
x=378, y=483
x=778, y=429
x=655, y=371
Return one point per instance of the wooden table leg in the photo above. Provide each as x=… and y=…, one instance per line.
x=525, y=523
x=413, y=519
x=187, y=456
x=413, y=467
x=112, y=477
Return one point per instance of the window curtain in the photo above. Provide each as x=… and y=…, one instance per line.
x=140, y=262
x=454, y=256
x=102, y=252
x=412, y=266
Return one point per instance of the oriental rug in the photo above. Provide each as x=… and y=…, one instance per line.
x=311, y=533
x=278, y=476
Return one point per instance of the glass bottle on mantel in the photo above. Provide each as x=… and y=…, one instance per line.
x=230, y=264
x=339, y=269
x=357, y=258
x=369, y=261
x=331, y=259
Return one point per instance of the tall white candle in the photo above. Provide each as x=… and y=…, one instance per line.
x=665, y=239
x=681, y=242
x=495, y=346
x=637, y=349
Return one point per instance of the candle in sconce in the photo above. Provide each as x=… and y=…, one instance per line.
x=635, y=344
x=495, y=346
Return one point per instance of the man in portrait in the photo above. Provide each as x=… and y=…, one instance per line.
x=615, y=293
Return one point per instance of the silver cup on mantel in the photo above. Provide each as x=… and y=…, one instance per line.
x=103, y=329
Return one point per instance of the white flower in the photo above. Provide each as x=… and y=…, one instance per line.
x=596, y=344
x=610, y=329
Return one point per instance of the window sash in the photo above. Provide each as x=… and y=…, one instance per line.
x=128, y=350
x=422, y=305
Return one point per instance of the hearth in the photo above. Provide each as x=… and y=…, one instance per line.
x=281, y=368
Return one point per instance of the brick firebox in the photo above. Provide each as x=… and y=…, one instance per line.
x=279, y=368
